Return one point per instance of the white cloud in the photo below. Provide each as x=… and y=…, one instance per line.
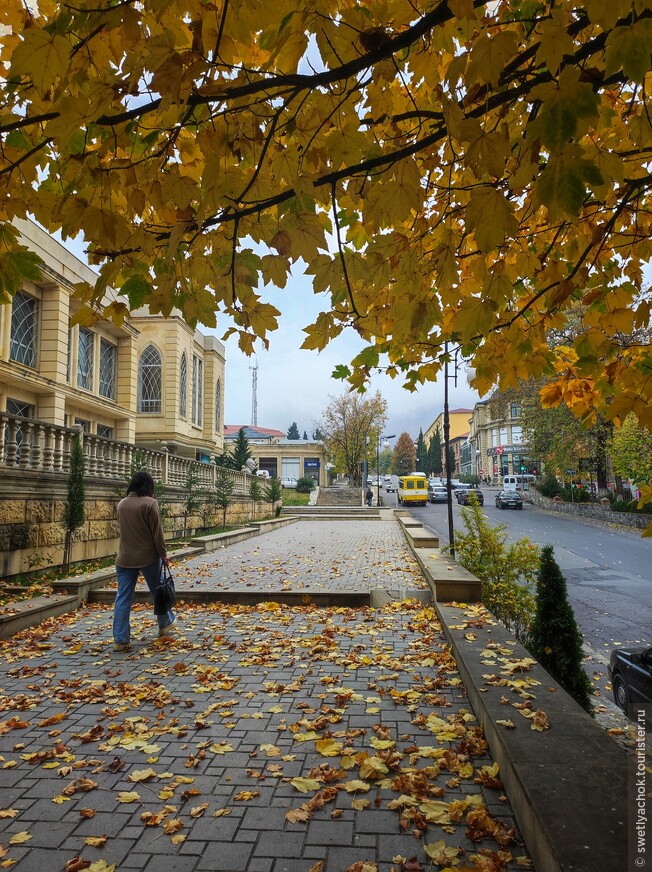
x=294, y=385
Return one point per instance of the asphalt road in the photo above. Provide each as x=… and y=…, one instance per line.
x=608, y=571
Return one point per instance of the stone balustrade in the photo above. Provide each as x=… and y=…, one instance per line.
x=37, y=446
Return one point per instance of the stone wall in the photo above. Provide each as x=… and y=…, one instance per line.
x=588, y=510
x=31, y=507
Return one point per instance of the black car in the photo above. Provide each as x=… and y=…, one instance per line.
x=509, y=500
x=463, y=495
x=630, y=671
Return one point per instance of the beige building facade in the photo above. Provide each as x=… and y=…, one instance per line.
x=280, y=456
x=153, y=381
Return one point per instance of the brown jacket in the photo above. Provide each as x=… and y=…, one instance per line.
x=141, y=532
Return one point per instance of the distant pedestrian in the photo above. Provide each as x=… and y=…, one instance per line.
x=369, y=496
x=141, y=550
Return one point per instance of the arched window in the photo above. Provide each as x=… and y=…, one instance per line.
x=183, y=385
x=150, y=369
x=218, y=406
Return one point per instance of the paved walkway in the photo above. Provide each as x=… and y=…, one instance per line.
x=266, y=739
x=336, y=556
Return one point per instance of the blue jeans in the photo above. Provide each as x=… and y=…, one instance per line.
x=127, y=578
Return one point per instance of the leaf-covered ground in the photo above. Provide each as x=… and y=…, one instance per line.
x=258, y=739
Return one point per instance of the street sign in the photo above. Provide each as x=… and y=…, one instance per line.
x=499, y=450
x=481, y=472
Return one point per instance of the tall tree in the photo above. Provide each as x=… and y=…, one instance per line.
x=347, y=422
x=404, y=457
x=631, y=452
x=421, y=460
x=480, y=168
x=241, y=452
x=74, y=508
x=435, y=465
x=293, y=432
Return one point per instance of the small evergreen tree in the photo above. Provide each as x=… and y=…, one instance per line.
x=73, y=510
x=241, y=452
x=293, y=432
x=305, y=435
x=255, y=494
x=191, y=497
x=273, y=492
x=224, y=486
x=555, y=639
x=305, y=484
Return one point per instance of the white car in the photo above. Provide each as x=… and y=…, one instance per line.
x=288, y=481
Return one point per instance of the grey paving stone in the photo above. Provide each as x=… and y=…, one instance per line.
x=279, y=844
x=226, y=857
x=328, y=832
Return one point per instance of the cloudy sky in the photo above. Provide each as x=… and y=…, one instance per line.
x=295, y=385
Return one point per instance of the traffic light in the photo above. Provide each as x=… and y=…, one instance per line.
x=522, y=468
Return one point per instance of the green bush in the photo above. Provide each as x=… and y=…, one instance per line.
x=506, y=571
x=630, y=506
x=305, y=484
x=575, y=494
x=549, y=487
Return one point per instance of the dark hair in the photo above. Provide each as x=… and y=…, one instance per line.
x=142, y=484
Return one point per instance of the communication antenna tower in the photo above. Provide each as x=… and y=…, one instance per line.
x=254, y=393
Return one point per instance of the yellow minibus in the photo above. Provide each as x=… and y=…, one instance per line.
x=413, y=489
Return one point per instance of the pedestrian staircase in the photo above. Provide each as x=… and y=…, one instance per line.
x=340, y=496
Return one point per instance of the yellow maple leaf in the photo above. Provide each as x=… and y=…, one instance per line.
x=305, y=785
x=128, y=796
x=20, y=838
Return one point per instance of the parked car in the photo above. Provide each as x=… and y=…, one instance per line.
x=370, y=479
x=288, y=481
x=377, y=482
x=437, y=494
x=630, y=671
x=463, y=495
x=509, y=500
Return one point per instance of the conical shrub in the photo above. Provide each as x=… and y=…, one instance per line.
x=555, y=638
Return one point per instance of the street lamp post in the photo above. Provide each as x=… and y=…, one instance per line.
x=447, y=433
x=385, y=440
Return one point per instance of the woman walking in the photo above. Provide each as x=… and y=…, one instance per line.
x=141, y=550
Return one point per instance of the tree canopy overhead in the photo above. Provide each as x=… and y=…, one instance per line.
x=458, y=171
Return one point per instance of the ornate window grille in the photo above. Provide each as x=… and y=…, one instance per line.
x=150, y=370
x=85, y=359
x=104, y=431
x=183, y=386
x=108, y=368
x=24, y=323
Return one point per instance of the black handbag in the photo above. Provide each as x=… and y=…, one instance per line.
x=165, y=595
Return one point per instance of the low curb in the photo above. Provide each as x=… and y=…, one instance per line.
x=571, y=822
x=70, y=593
x=568, y=824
